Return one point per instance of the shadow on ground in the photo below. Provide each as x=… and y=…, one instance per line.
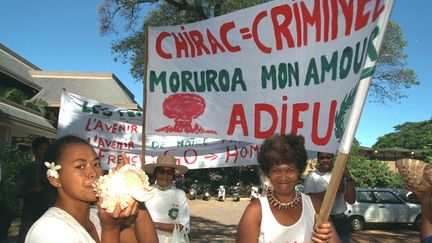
x=205, y=230
x=386, y=233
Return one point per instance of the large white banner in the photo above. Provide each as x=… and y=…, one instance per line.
x=280, y=67
x=111, y=130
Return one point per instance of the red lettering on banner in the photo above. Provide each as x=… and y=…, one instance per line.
x=326, y=13
x=198, y=42
x=361, y=16
x=291, y=24
x=280, y=119
x=296, y=122
x=101, y=152
x=192, y=43
x=377, y=10
x=282, y=29
x=238, y=117
x=214, y=43
x=94, y=124
x=312, y=19
x=269, y=109
x=181, y=45
x=298, y=23
x=113, y=157
x=186, y=156
x=87, y=126
x=256, y=39
x=225, y=28
x=348, y=11
x=159, y=41
x=134, y=128
x=323, y=140
x=232, y=153
x=113, y=144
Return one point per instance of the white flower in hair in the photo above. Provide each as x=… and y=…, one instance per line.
x=52, y=169
x=123, y=186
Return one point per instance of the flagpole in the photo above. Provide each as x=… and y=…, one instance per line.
x=143, y=137
x=346, y=142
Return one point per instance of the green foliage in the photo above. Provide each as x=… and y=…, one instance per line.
x=12, y=161
x=391, y=76
x=392, y=72
x=426, y=153
x=371, y=173
x=229, y=177
x=14, y=95
x=410, y=135
x=37, y=105
x=19, y=97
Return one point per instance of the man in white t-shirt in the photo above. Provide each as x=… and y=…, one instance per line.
x=316, y=183
x=169, y=206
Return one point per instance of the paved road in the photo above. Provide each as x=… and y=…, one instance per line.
x=213, y=221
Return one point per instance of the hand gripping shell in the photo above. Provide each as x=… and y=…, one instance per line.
x=123, y=186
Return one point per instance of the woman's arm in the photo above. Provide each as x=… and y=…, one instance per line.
x=248, y=230
x=144, y=228
x=426, y=214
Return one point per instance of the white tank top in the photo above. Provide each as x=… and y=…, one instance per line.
x=299, y=232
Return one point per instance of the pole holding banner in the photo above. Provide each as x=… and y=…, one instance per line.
x=143, y=142
x=346, y=142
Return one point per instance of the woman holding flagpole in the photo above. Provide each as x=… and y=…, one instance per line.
x=283, y=214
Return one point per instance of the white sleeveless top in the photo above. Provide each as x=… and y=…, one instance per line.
x=299, y=232
x=56, y=225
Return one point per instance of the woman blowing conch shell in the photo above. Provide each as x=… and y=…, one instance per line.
x=72, y=168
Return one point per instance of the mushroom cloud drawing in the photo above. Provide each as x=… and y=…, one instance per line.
x=183, y=108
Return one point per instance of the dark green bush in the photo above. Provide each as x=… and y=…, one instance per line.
x=12, y=160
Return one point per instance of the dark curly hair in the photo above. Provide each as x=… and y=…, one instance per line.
x=39, y=141
x=55, y=151
x=283, y=149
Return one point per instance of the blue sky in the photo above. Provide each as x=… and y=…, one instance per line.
x=59, y=35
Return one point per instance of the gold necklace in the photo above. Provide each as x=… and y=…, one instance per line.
x=280, y=205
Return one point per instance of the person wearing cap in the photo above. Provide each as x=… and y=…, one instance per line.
x=169, y=205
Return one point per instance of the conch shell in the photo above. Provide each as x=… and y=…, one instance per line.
x=414, y=173
x=123, y=186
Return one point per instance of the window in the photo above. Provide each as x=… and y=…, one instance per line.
x=365, y=197
x=387, y=197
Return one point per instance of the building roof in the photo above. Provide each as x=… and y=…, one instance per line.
x=390, y=149
x=18, y=115
x=15, y=66
x=102, y=87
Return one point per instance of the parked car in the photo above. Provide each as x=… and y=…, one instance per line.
x=381, y=206
x=299, y=187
